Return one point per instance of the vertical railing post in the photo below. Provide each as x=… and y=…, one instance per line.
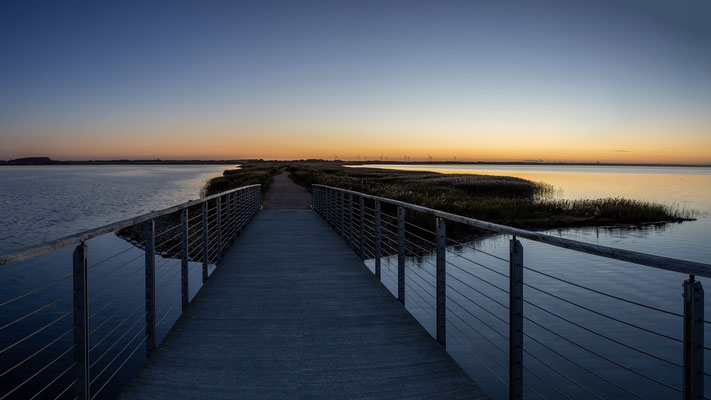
x=350, y=220
x=441, y=283
x=515, y=320
x=377, y=239
x=150, y=287
x=361, y=238
x=401, y=254
x=184, y=290
x=218, y=225
x=205, y=244
x=693, y=339
x=81, y=323
x=329, y=208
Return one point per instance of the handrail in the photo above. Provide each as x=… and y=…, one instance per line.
x=42, y=248
x=650, y=260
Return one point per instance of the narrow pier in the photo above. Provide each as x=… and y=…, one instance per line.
x=292, y=312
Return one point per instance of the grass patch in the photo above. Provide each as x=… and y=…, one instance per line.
x=505, y=200
x=248, y=174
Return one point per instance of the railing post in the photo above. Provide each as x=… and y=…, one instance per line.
x=205, y=247
x=218, y=225
x=81, y=323
x=150, y=287
x=361, y=238
x=441, y=283
x=330, y=206
x=184, y=292
x=377, y=239
x=401, y=255
x=515, y=320
x=693, y=339
x=350, y=220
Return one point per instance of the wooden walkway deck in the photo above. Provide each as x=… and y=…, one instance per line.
x=291, y=312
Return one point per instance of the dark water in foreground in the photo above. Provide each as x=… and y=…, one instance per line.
x=91, y=196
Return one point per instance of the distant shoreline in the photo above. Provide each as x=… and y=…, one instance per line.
x=47, y=161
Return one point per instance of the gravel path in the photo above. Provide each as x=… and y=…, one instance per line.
x=284, y=194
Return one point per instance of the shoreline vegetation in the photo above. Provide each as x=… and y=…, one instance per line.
x=500, y=199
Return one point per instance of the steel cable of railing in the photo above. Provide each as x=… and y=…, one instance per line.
x=477, y=250
x=163, y=232
x=67, y=388
x=116, y=283
x=35, y=311
x=424, y=307
x=562, y=374
x=479, y=291
x=479, y=264
x=36, y=290
x=7, y=371
x=476, y=277
x=479, y=319
x=93, y=379
x=143, y=254
x=422, y=260
x=118, y=296
x=478, y=359
x=581, y=366
x=461, y=331
x=123, y=363
x=37, y=331
x=603, y=335
x=544, y=381
x=165, y=242
x=431, y=286
x=168, y=269
x=422, y=229
x=603, y=293
x=603, y=314
x=386, y=272
x=107, y=320
x=424, y=250
x=54, y=380
x=600, y=355
x=115, y=343
x=172, y=305
x=191, y=219
x=135, y=246
x=165, y=282
x=38, y=372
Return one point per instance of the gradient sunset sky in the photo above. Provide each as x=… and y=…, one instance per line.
x=621, y=81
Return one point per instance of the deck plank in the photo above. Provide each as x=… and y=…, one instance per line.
x=291, y=312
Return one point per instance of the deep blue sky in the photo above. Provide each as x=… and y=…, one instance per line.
x=565, y=80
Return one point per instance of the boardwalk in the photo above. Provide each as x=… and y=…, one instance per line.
x=285, y=194
x=291, y=312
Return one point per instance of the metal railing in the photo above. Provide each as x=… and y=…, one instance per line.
x=108, y=307
x=482, y=300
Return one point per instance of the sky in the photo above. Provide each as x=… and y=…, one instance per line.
x=609, y=80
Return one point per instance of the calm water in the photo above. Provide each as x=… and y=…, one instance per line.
x=687, y=187
x=44, y=203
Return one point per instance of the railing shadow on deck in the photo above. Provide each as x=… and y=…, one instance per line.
x=576, y=337
x=68, y=334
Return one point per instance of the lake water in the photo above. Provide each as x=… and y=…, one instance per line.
x=477, y=332
x=43, y=203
